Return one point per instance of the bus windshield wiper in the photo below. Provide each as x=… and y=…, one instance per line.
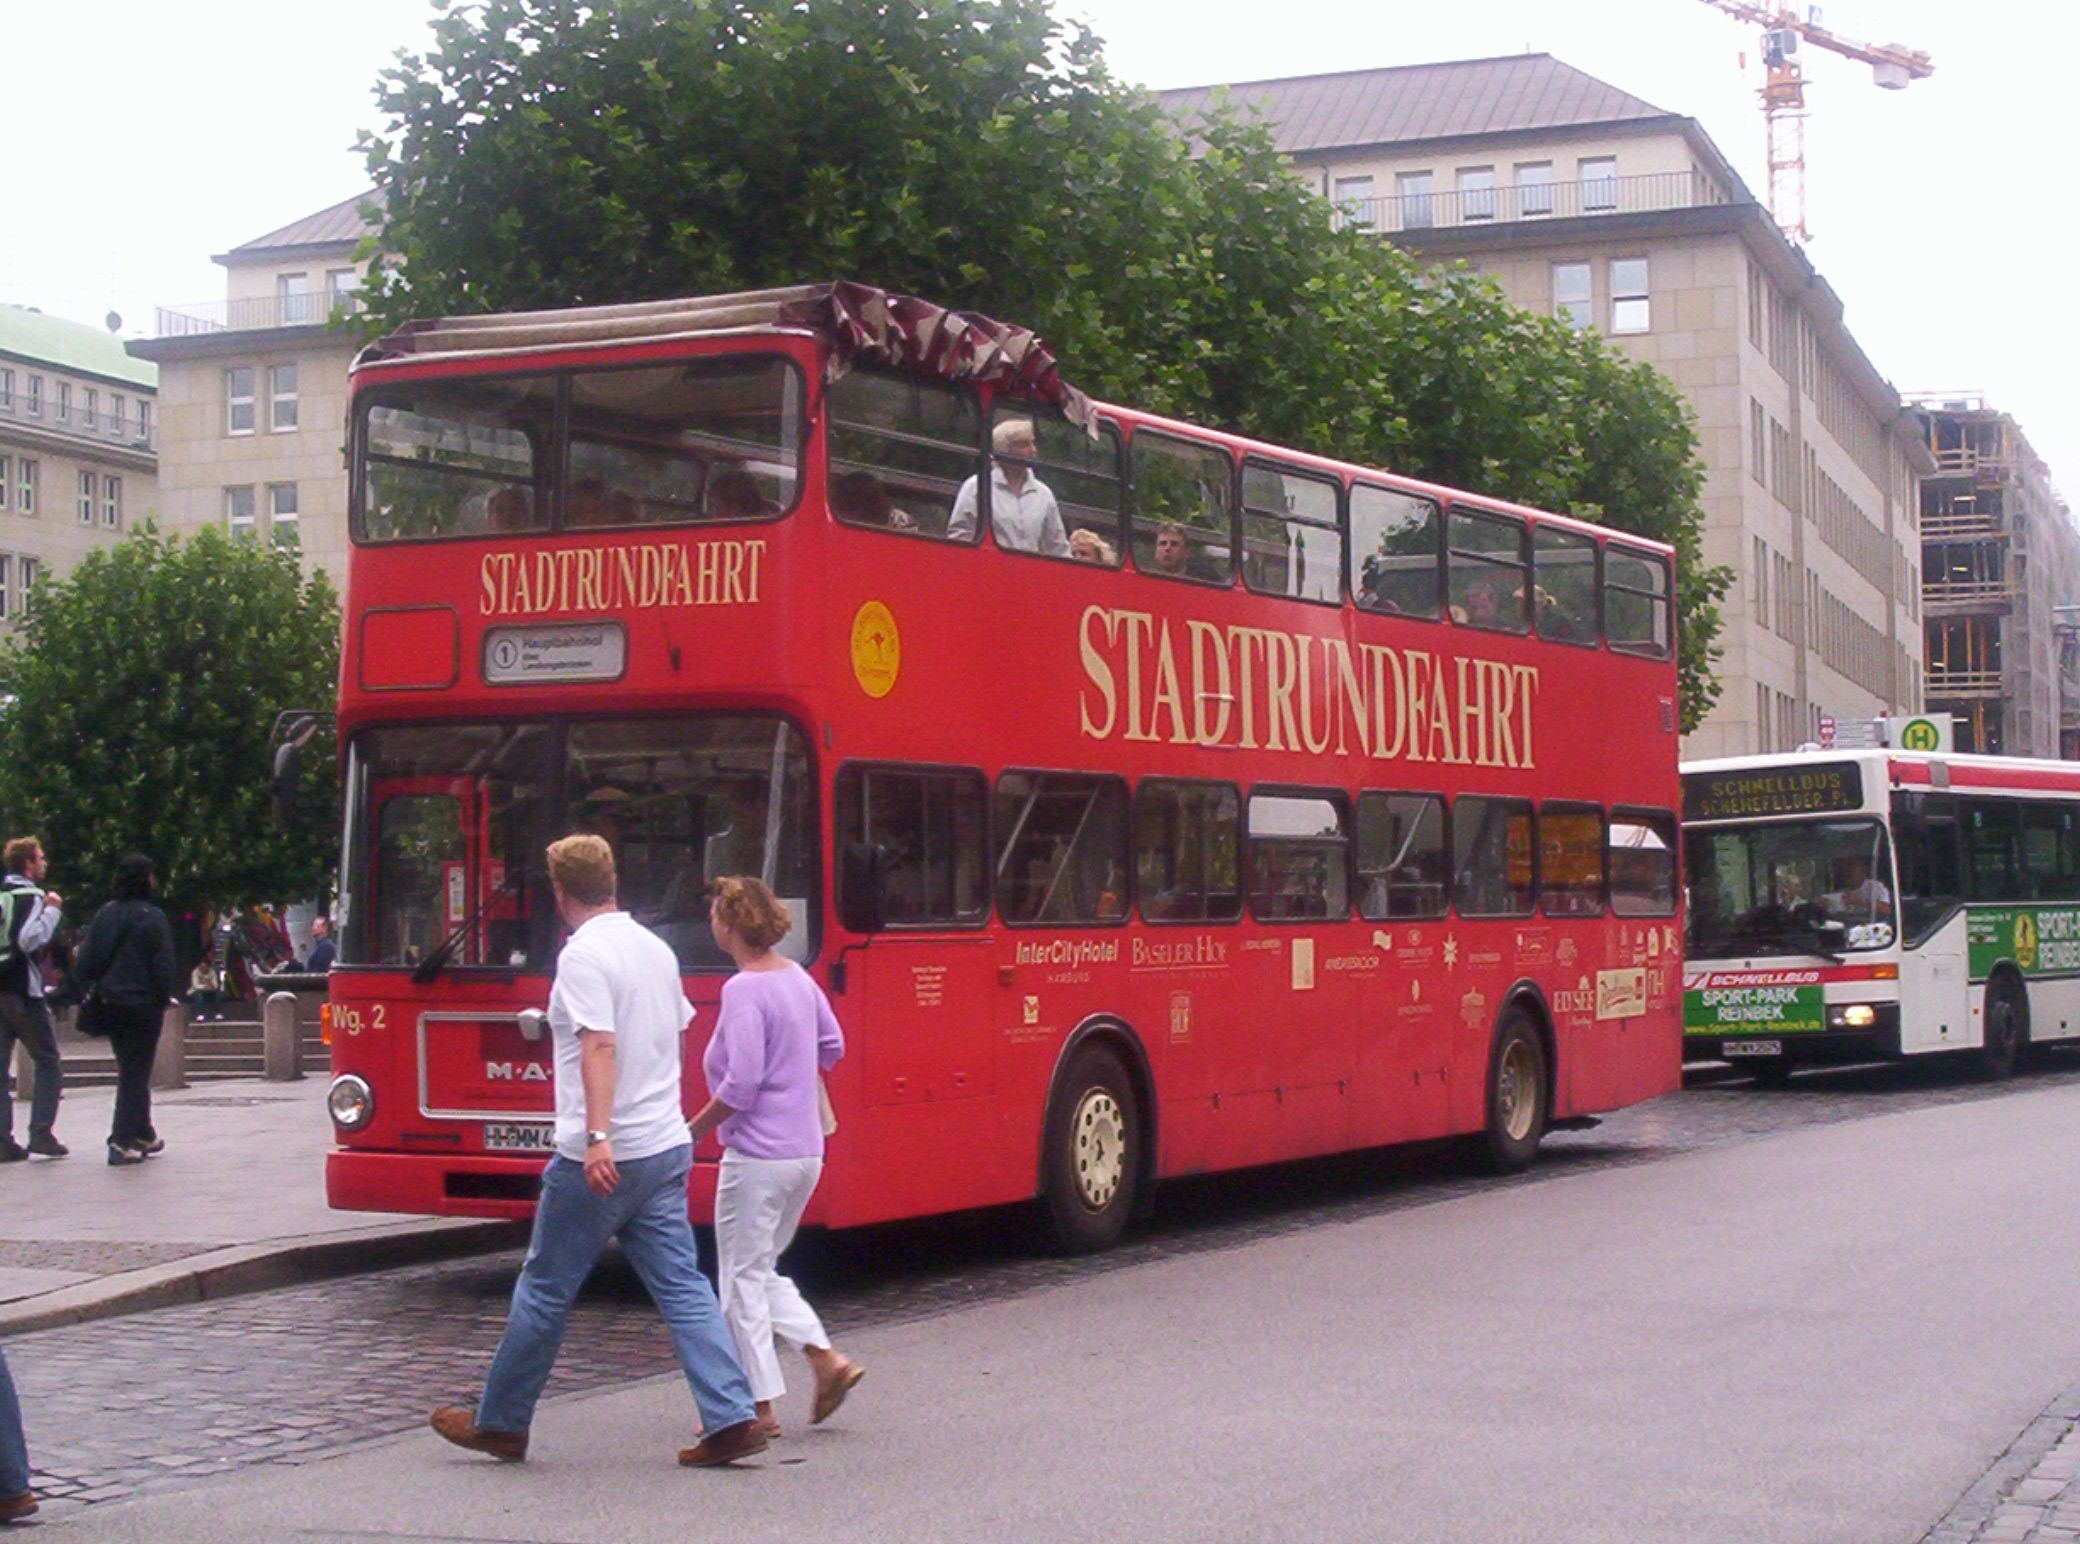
x=437, y=961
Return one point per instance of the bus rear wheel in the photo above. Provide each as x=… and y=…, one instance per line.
x=1519, y=1094
x=1093, y=1142
x=2007, y=1028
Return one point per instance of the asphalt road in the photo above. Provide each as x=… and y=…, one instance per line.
x=1811, y=1315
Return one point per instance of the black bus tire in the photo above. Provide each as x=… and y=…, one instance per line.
x=1518, y=1095
x=1093, y=1153
x=2007, y=1027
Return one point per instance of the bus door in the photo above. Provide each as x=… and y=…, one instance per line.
x=1934, y=991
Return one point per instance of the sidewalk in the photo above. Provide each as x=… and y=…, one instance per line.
x=236, y=1203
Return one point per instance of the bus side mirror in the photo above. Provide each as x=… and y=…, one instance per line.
x=862, y=867
x=281, y=787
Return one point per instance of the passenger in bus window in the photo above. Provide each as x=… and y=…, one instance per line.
x=1087, y=546
x=1174, y=558
x=509, y=509
x=1022, y=510
x=860, y=497
x=734, y=494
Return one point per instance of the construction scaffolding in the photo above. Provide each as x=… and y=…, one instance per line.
x=2000, y=579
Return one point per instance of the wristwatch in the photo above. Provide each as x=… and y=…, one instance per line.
x=595, y=1136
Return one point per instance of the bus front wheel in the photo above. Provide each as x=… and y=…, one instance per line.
x=1519, y=1094
x=1093, y=1153
x=2007, y=1027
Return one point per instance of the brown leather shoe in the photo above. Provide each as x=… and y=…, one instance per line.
x=15, y=1508
x=725, y=1446
x=460, y=1427
x=831, y=1391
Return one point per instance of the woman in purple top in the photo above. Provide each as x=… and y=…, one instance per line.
x=773, y=1039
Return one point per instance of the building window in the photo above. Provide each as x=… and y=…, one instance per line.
x=62, y=410
x=6, y=575
x=112, y=502
x=281, y=396
x=144, y=420
x=1759, y=588
x=341, y=286
x=281, y=516
x=1572, y=302
x=6, y=481
x=1476, y=193
x=35, y=396
x=1534, y=189
x=90, y=408
x=1758, y=443
x=1599, y=176
x=1415, y=188
x=239, y=517
x=238, y=400
x=26, y=488
x=1354, y=201
x=1630, y=311
x=32, y=576
x=7, y=390
x=86, y=498
x=116, y=413
x=293, y=291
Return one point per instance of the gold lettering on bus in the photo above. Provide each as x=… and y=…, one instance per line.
x=643, y=577
x=1252, y=687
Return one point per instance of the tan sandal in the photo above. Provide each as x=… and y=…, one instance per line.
x=831, y=1392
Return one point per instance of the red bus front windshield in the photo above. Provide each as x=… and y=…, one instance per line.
x=447, y=823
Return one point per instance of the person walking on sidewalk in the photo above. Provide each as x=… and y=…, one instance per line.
x=16, y=1499
x=29, y=917
x=616, y=1014
x=126, y=965
x=774, y=1038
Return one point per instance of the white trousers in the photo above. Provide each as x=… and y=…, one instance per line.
x=758, y=1203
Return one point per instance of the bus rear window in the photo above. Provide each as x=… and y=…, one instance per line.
x=1642, y=861
x=458, y=458
x=1635, y=601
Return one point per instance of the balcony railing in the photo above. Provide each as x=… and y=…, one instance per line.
x=1962, y=683
x=1971, y=527
x=1959, y=594
x=1647, y=194
x=91, y=428
x=258, y=313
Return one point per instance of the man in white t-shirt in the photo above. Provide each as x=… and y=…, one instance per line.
x=616, y=1013
x=1022, y=510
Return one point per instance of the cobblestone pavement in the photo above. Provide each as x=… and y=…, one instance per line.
x=150, y=1402
x=2032, y=1493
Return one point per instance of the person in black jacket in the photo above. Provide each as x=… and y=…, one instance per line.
x=127, y=964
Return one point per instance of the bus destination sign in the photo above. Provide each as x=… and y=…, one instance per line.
x=1810, y=790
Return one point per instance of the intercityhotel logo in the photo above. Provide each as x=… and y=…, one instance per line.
x=644, y=576
x=1253, y=687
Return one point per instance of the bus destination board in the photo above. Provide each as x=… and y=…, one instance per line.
x=1814, y=790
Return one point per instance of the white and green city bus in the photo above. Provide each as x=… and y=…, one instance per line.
x=1864, y=905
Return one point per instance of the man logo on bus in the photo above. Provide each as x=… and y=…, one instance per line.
x=2026, y=941
x=1920, y=735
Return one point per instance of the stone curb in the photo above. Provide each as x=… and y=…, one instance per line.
x=241, y=1268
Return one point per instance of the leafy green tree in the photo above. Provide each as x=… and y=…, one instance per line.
x=143, y=687
x=547, y=153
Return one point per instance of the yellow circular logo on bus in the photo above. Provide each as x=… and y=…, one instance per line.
x=2026, y=941
x=877, y=649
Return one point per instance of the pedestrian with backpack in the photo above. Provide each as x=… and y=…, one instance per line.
x=29, y=917
x=126, y=969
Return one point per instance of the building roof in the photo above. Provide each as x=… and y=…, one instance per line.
x=64, y=345
x=1408, y=103
x=340, y=224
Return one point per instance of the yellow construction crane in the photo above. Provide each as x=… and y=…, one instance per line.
x=1784, y=92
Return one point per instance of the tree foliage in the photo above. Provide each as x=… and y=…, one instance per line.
x=547, y=153
x=143, y=687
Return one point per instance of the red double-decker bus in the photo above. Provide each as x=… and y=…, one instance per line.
x=1150, y=801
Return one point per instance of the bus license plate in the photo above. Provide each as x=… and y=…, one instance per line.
x=518, y=1137
x=1752, y=1048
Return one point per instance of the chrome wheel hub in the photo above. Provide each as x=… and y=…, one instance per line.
x=1517, y=1092
x=1098, y=1148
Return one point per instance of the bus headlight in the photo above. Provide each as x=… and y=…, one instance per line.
x=350, y=1102
x=1855, y=1016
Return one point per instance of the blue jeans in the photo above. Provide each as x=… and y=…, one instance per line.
x=647, y=1212
x=14, y=1451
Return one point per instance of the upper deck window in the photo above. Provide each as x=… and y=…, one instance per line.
x=1292, y=538
x=1566, y=589
x=1489, y=571
x=696, y=440
x=1635, y=601
x=704, y=439
x=1065, y=473
x=1394, y=552
x=902, y=449
x=1183, y=509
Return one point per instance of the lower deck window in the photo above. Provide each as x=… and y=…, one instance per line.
x=1298, y=857
x=929, y=828
x=1492, y=857
x=1186, y=851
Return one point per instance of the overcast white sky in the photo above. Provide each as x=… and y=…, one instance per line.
x=144, y=137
